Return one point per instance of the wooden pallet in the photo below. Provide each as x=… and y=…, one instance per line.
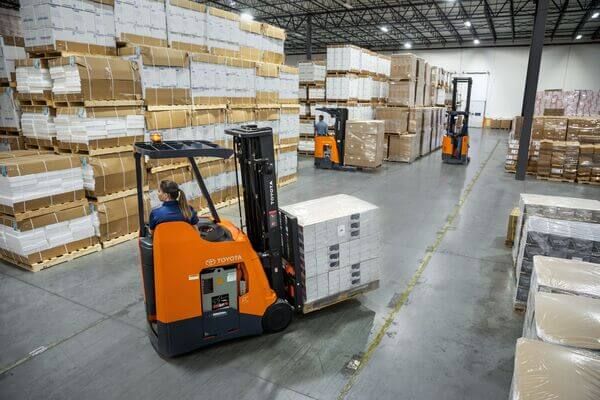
x=36, y=267
x=223, y=204
x=39, y=102
x=118, y=240
x=96, y=152
x=338, y=298
x=287, y=181
x=306, y=153
x=50, y=209
x=10, y=131
x=545, y=178
x=589, y=183
x=313, y=83
x=116, y=195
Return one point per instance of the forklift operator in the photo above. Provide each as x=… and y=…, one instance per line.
x=321, y=127
x=174, y=208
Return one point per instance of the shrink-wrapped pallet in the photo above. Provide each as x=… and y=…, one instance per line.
x=82, y=26
x=582, y=128
x=312, y=72
x=402, y=93
x=395, y=119
x=92, y=128
x=186, y=25
x=35, y=239
x=339, y=245
x=403, y=66
x=116, y=217
x=403, y=148
x=164, y=74
x=549, y=371
x=108, y=174
x=90, y=78
x=141, y=22
x=34, y=182
x=364, y=143
x=555, y=238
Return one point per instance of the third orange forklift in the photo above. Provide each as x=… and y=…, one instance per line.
x=455, y=145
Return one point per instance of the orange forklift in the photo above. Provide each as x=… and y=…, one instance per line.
x=220, y=282
x=455, y=144
x=329, y=150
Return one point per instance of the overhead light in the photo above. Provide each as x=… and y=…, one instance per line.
x=468, y=24
x=595, y=15
x=348, y=6
x=476, y=41
x=407, y=45
x=247, y=17
x=384, y=29
x=578, y=37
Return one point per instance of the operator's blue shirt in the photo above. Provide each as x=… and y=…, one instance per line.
x=170, y=212
x=321, y=128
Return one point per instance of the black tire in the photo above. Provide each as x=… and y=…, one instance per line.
x=277, y=317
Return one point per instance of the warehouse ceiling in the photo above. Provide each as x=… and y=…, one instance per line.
x=388, y=25
x=423, y=23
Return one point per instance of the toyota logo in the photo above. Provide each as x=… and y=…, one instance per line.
x=211, y=261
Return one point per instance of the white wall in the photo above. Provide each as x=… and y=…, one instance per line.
x=563, y=67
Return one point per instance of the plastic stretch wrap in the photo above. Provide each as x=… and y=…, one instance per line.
x=11, y=49
x=402, y=93
x=364, y=143
x=556, y=207
x=581, y=128
x=555, y=238
x=395, y=119
x=564, y=319
x=404, y=66
x=555, y=128
x=403, y=148
x=545, y=371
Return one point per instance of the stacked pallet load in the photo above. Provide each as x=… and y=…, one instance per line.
x=561, y=149
x=364, y=145
x=312, y=89
x=45, y=218
x=562, y=227
x=413, y=126
x=557, y=355
x=568, y=103
x=339, y=248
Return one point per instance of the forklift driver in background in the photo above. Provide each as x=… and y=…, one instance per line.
x=175, y=206
x=321, y=127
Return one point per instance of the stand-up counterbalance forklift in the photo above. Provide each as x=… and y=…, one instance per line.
x=217, y=283
x=329, y=150
x=455, y=145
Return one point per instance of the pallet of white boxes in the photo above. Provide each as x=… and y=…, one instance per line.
x=85, y=98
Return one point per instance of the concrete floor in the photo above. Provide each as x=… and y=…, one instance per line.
x=441, y=326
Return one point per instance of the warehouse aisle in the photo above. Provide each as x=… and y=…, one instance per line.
x=77, y=330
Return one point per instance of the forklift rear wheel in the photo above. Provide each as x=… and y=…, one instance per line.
x=277, y=317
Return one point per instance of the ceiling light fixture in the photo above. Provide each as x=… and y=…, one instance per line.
x=247, y=17
x=384, y=29
x=595, y=15
x=407, y=45
x=578, y=37
x=468, y=23
x=476, y=41
x=348, y=6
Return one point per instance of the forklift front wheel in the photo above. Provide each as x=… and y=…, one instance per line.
x=277, y=317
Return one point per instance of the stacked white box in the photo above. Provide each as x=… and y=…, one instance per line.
x=288, y=84
x=38, y=122
x=384, y=65
x=287, y=162
x=365, y=88
x=82, y=125
x=82, y=21
x=358, y=112
x=368, y=61
x=208, y=73
x=145, y=18
x=316, y=93
x=241, y=79
x=343, y=87
x=9, y=109
x=339, y=244
x=223, y=30
x=344, y=58
x=289, y=125
x=186, y=23
x=312, y=72
x=34, y=78
x=9, y=52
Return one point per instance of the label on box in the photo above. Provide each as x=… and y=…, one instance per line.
x=341, y=230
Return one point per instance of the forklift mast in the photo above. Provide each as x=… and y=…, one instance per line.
x=253, y=149
x=454, y=112
x=341, y=116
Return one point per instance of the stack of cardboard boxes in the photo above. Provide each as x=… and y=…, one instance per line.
x=413, y=128
x=188, y=72
x=561, y=148
x=11, y=50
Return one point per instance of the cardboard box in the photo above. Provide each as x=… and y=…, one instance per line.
x=555, y=128
x=117, y=217
x=33, y=182
x=582, y=128
x=86, y=78
x=404, y=66
x=106, y=174
x=402, y=93
x=419, y=94
x=403, y=148
x=395, y=119
x=364, y=143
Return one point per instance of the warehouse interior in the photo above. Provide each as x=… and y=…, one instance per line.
x=458, y=226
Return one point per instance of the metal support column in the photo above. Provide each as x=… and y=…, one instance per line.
x=531, y=82
x=309, y=37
